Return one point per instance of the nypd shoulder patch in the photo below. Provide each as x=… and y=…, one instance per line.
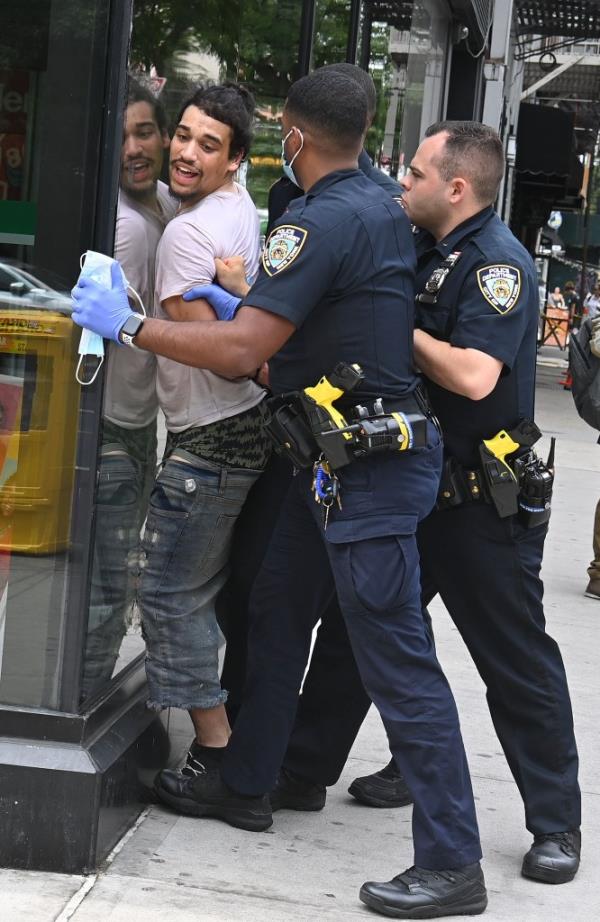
x=500, y=286
x=282, y=248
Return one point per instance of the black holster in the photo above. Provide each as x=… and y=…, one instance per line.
x=286, y=425
x=460, y=485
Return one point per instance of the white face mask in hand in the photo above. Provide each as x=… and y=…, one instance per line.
x=97, y=266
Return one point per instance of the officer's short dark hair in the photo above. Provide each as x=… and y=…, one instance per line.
x=474, y=151
x=137, y=92
x=363, y=78
x=331, y=105
x=230, y=103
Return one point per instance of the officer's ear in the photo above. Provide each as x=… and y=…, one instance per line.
x=458, y=190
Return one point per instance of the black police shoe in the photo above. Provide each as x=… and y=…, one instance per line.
x=423, y=894
x=553, y=858
x=206, y=794
x=385, y=788
x=292, y=792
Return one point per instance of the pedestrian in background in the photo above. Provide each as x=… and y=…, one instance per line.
x=556, y=300
x=591, y=304
x=573, y=305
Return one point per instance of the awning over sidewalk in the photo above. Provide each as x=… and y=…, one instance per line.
x=559, y=18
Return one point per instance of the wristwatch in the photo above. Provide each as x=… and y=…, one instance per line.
x=130, y=329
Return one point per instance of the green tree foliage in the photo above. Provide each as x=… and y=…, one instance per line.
x=165, y=28
x=256, y=41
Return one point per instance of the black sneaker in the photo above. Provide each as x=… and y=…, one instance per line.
x=206, y=794
x=385, y=788
x=423, y=894
x=553, y=858
x=292, y=792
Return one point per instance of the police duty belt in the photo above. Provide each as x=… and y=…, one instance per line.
x=512, y=478
x=306, y=425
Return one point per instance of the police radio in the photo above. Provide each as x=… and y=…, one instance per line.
x=536, y=480
x=524, y=485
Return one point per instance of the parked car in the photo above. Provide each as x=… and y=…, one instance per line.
x=20, y=289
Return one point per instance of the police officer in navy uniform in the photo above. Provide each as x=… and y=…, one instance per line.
x=336, y=285
x=477, y=314
x=285, y=190
x=332, y=662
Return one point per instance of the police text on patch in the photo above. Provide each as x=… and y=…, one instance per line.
x=500, y=286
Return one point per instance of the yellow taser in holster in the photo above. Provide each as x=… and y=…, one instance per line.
x=500, y=478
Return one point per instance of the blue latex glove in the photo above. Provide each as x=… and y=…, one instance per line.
x=222, y=302
x=100, y=309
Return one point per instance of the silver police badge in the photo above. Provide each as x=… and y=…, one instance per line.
x=282, y=248
x=500, y=286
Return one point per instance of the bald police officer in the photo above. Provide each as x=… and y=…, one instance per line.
x=336, y=284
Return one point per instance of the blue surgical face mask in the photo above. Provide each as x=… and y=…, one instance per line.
x=97, y=266
x=287, y=167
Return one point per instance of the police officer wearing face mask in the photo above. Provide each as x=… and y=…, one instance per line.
x=332, y=656
x=336, y=285
x=286, y=189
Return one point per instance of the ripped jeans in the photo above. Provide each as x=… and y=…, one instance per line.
x=186, y=544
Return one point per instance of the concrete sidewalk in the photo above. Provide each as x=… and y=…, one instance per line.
x=310, y=866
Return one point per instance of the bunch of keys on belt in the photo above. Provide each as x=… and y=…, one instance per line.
x=326, y=487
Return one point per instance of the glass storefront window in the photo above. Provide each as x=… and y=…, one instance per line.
x=269, y=38
x=332, y=23
x=425, y=74
x=255, y=42
x=407, y=59
x=52, y=58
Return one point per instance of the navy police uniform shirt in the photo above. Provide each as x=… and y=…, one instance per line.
x=339, y=265
x=489, y=301
x=377, y=176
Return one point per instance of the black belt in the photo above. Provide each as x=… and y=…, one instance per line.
x=416, y=401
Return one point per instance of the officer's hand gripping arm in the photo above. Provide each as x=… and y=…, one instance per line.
x=223, y=304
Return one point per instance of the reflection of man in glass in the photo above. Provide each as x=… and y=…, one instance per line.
x=128, y=451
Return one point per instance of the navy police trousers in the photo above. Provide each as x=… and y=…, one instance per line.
x=367, y=556
x=486, y=570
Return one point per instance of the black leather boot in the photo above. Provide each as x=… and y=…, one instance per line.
x=206, y=795
x=419, y=893
x=293, y=792
x=553, y=858
x=385, y=788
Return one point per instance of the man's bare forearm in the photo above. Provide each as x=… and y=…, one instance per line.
x=213, y=345
x=232, y=348
x=467, y=372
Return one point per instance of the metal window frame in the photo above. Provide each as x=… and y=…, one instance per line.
x=103, y=194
